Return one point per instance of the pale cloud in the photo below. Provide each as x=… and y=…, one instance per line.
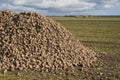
x=57, y=6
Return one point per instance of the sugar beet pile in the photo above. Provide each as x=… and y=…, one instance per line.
x=31, y=41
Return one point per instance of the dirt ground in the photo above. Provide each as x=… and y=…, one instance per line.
x=107, y=68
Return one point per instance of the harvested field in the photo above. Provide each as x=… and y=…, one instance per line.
x=99, y=33
x=103, y=35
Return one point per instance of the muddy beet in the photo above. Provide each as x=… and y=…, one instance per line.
x=32, y=41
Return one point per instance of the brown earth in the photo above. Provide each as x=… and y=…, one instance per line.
x=107, y=67
x=32, y=41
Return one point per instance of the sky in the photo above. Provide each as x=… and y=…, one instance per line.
x=63, y=7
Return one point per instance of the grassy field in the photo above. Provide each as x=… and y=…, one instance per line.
x=102, y=34
x=99, y=33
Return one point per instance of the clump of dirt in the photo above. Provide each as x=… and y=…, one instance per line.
x=32, y=41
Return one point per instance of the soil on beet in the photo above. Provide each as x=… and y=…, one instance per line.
x=106, y=68
x=30, y=41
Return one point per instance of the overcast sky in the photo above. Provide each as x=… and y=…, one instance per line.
x=64, y=7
